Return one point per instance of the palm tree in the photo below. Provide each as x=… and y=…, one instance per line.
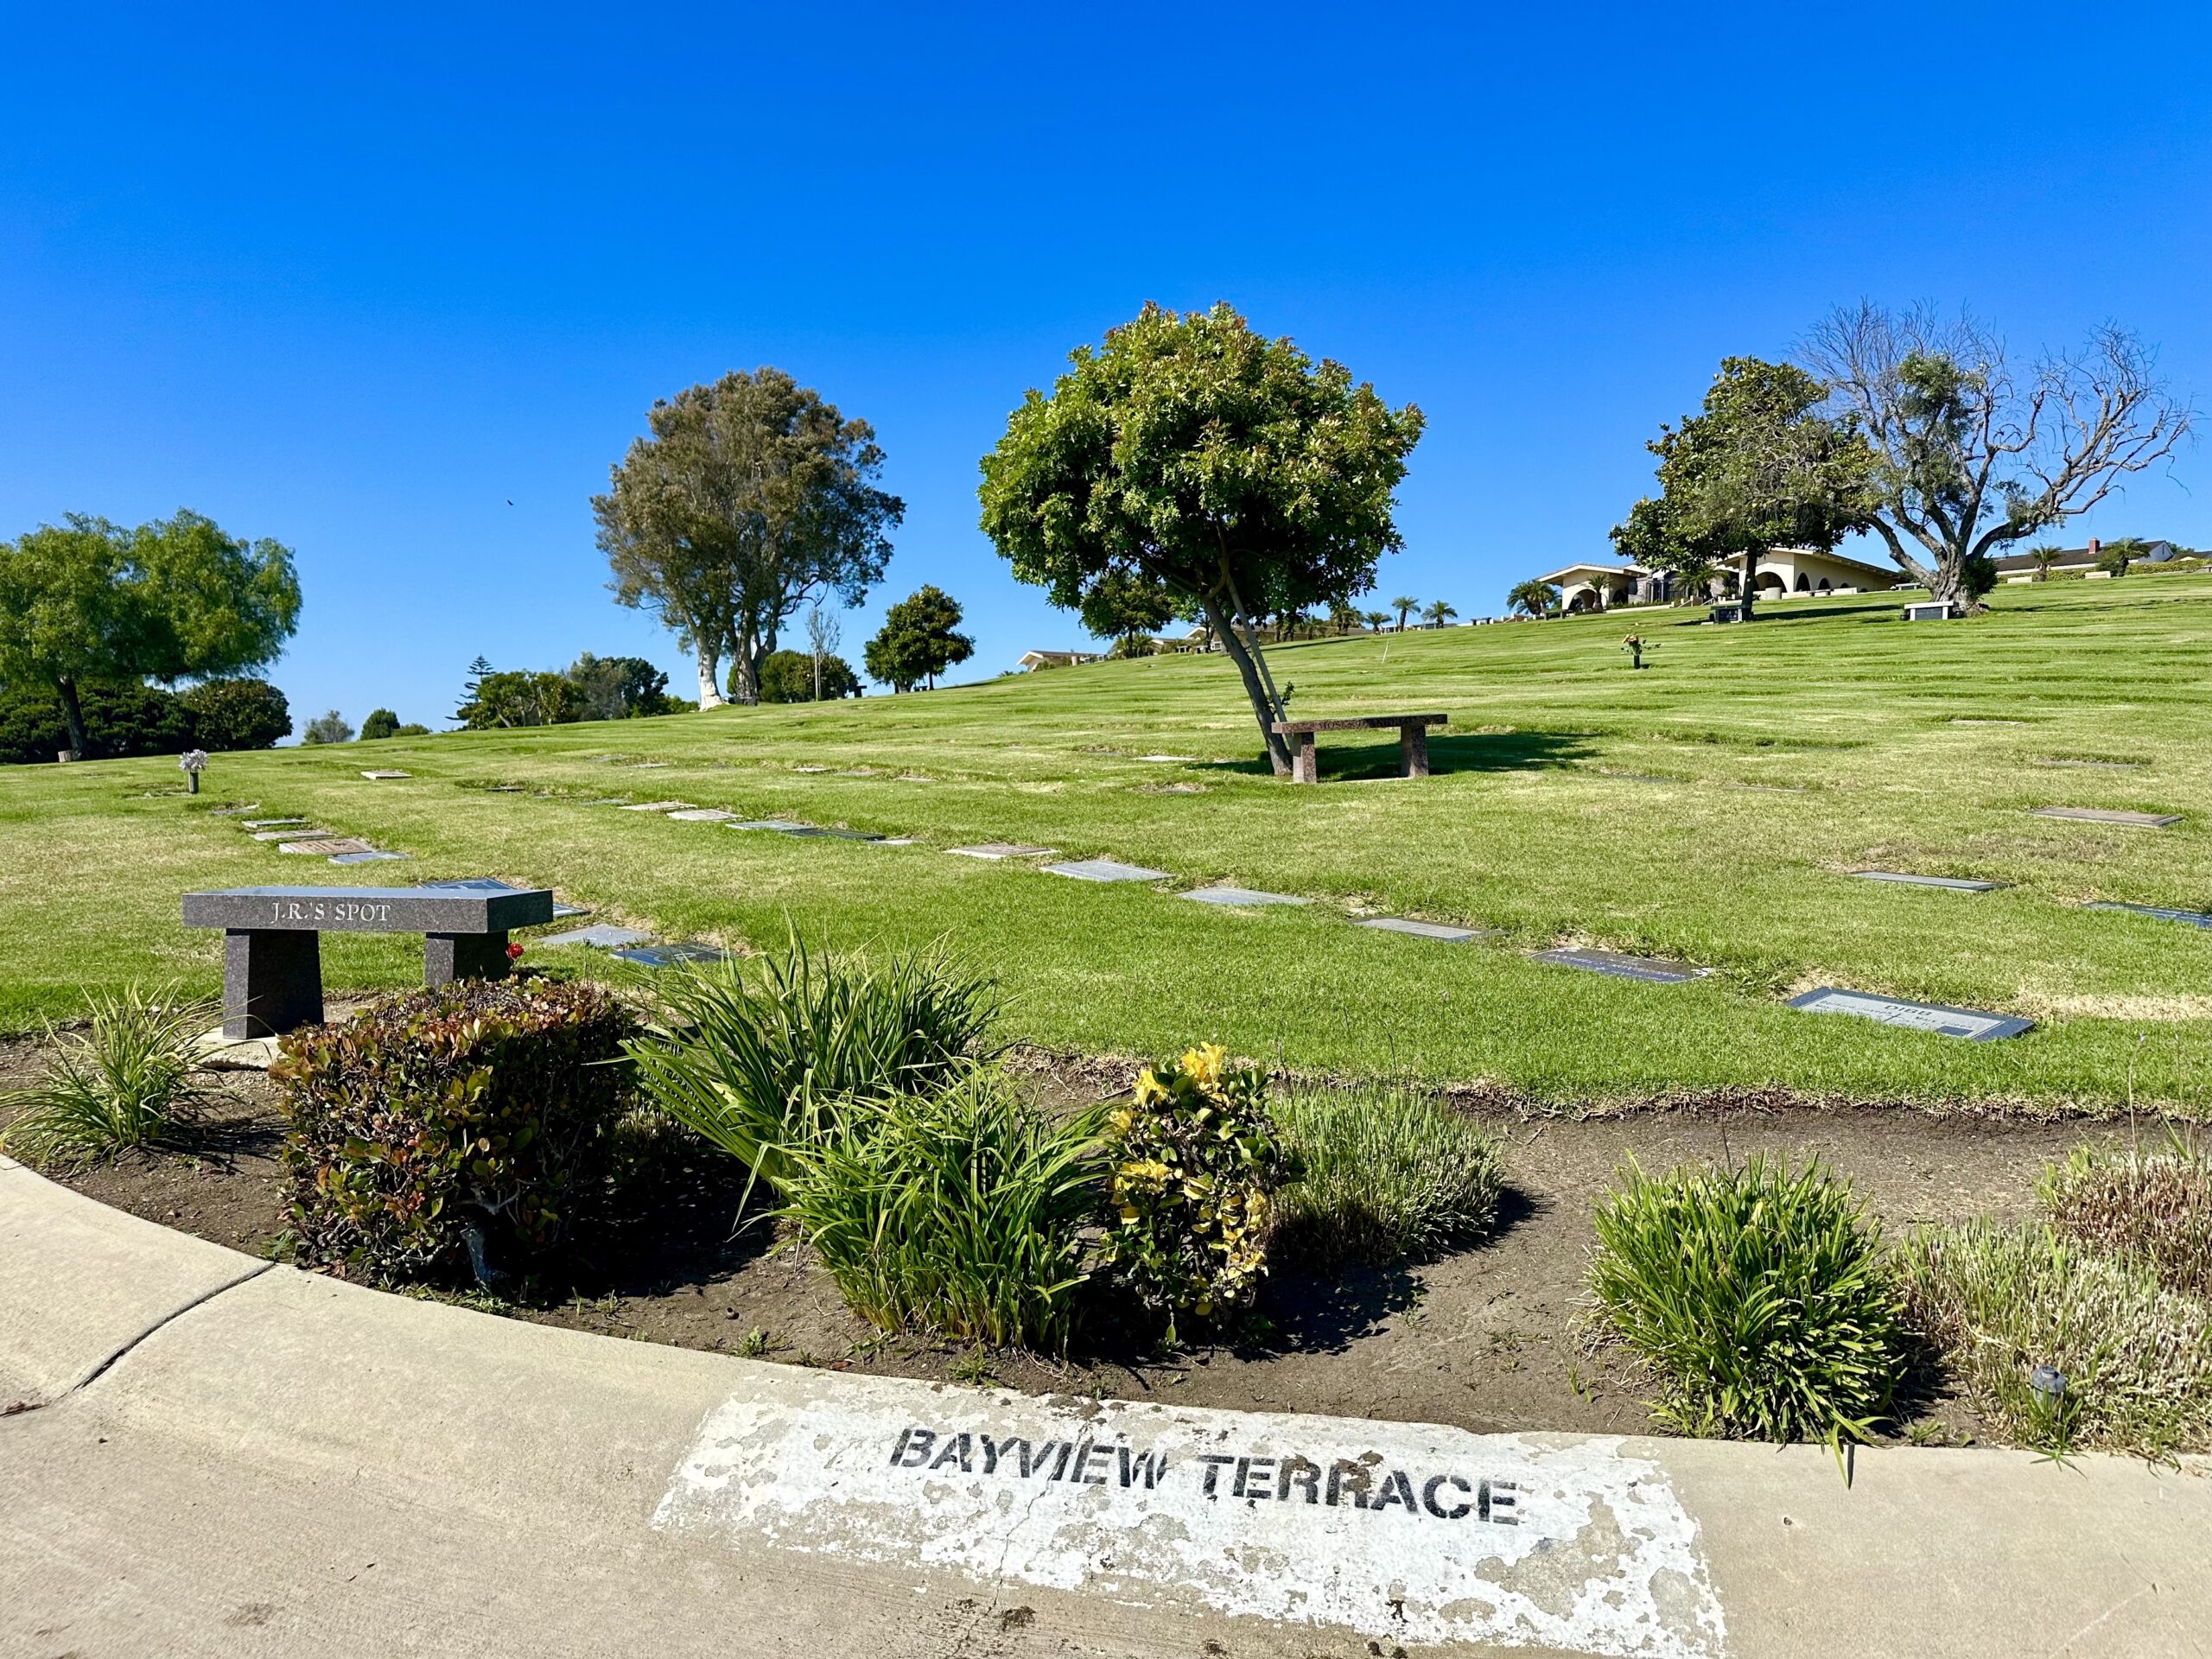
x=1694, y=584
x=2044, y=558
x=1402, y=605
x=1375, y=619
x=1533, y=598
x=1438, y=613
x=1344, y=616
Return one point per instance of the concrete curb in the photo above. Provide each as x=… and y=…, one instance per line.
x=228, y=1457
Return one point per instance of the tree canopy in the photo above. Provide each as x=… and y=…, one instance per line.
x=1758, y=468
x=1197, y=456
x=916, y=642
x=790, y=677
x=750, y=497
x=176, y=597
x=1970, y=453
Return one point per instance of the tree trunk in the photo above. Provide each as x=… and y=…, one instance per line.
x=1265, y=708
x=710, y=694
x=72, y=713
x=1750, y=585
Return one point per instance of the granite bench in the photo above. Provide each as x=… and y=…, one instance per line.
x=272, y=954
x=1412, y=740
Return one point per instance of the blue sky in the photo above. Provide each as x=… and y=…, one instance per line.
x=357, y=278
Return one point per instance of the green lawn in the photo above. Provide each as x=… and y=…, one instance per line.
x=1532, y=826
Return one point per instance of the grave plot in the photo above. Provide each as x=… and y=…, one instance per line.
x=1973, y=1024
x=780, y=826
x=292, y=835
x=703, y=815
x=379, y=777
x=2107, y=815
x=1950, y=883
x=998, y=850
x=1243, y=896
x=374, y=855
x=1106, y=870
x=2158, y=913
x=268, y=824
x=1656, y=970
x=661, y=807
x=672, y=956
x=603, y=934
x=1442, y=932
x=331, y=846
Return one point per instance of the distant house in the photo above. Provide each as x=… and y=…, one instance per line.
x=1056, y=658
x=1787, y=570
x=2083, y=558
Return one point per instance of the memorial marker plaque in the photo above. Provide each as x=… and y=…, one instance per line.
x=378, y=777
x=1952, y=883
x=268, y=824
x=671, y=955
x=1442, y=931
x=2106, y=815
x=1655, y=969
x=293, y=834
x=374, y=855
x=332, y=845
x=603, y=934
x=2159, y=913
x=1105, y=869
x=1972, y=1024
x=660, y=806
x=998, y=850
x=1239, y=896
x=703, y=815
x=781, y=826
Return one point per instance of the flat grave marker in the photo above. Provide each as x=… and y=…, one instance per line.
x=2158, y=913
x=1952, y=883
x=268, y=824
x=671, y=956
x=1105, y=869
x=374, y=855
x=1972, y=1024
x=379, y=776
x=809, y=768
x=1406, y=925
x=1240, y=896
x=781, y=826
x=703, y=815
x=997, y=850
x=328, y=845
x=895, y=841
x=2107, y=815
x=1653, y=970
x=234, y=811
x=293, y=834
x=604, y=935
x=661, y=807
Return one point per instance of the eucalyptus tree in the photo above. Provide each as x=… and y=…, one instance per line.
x=1971, y=453
x=1229, y=469
x=752, y=497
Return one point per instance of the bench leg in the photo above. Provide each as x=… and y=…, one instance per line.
x=1412, y=751
x=272, y=982
x=448, y=956
x=1305, y=762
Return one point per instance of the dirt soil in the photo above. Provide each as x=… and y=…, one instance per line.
x=1492, y=1339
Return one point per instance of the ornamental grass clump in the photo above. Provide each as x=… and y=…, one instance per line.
x=1758, y=1296
x=1385, y=1175
x=456, y=1130
x=964, y=1211
x=1194, y=1162
x=760, y=1058
x=125, y=1081
x=2134, y=1356
x=2154, y=1207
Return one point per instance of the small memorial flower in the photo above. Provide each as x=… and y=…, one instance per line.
x=1636, y=646
x=190, y=763
x=514, y=952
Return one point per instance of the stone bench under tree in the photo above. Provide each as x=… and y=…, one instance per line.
x=1412, y=740
x=272, y=953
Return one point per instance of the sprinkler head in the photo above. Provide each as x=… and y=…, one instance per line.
x=2048, y=1381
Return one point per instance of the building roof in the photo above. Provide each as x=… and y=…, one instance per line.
x=1584, y=571
x=2081, y=558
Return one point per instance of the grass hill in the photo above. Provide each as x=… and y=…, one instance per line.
x=1709, y=808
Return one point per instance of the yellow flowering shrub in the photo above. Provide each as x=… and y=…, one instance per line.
x=1195, y=1161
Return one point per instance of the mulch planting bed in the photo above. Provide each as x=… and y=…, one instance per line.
x=1491, y=1338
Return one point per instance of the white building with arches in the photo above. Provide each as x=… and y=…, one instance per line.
x=1787, y=572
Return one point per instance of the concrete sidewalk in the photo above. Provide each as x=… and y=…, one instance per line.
x=278, y=1463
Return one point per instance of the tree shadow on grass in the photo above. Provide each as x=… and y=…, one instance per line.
x=1349, y=762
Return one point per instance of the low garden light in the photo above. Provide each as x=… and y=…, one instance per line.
x=192, y=762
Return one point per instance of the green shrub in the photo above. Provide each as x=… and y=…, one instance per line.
x=1195, y=1163
x=788, y=676
x=2136, y=1356
x=120, y=721
x=962, y=1211
x=238, y=714
x=125, y=1081
x=1758, y=1296
x=462, y=1125
x=1384, y=1175
x=761, y=1056
x=2154, y=1207
x=380, y=724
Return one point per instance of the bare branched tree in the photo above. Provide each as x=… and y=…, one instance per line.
x=1973, y=455
x=822, y=637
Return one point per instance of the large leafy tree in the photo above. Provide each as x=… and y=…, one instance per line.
x=88, y=601
x=750, y=497
x=1195, y=454
x=1125, y=606
x=918, y=641
x=1973, y=454
x=1759, y=467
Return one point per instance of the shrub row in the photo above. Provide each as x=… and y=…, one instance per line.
x=127, y=721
